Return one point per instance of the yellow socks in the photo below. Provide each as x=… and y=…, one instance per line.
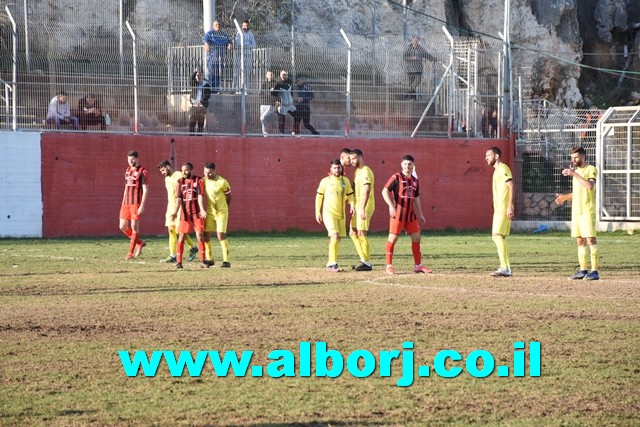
x=503, y=250
x=224, y=244
x=594, y=257
x=334, y=244
x=366, y=249
x=582, y=257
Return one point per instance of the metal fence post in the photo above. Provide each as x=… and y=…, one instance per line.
x=14, y=74
x=243, y=86
x=136, y=112
x=347, y=120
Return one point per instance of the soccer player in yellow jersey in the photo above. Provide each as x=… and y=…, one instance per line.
x=332, y=193
x=171, y=178
x=218, y=199
x=503, y=208
x=583, y=211
x=363, y=182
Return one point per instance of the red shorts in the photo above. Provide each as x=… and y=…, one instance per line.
x=396, y=227
x=129, y=212
x=185, y=227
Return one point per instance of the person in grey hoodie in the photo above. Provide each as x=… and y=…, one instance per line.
x=60, y=112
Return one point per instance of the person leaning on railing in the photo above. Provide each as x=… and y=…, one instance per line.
x=90, y=113
x=59, y=112
x=200, y=93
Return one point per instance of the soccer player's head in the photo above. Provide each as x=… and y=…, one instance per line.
x=187, y=168
x=345, y=160
x=356, y=157
x=336, y=168
x=165, y=167
x=210, y=170
x=407, y=165
x=578, y=157
x=132, y=158
x=492, y=155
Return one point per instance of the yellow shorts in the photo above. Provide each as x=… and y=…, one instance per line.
x=335, y=225
x=216, y=222
x=358, y=223
x=583, y=226
x=168, y=222
x=501, y=224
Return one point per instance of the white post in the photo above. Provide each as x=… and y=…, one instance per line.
x=136, y=113
x=243, y=87
x=14, y=74
x=347, y=119
x=121, y=37
x=506, y=74
x=26, y=37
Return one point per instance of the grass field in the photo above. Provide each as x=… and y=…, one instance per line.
x=68, y=306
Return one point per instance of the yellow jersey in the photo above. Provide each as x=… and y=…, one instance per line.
x=332, y=193
x=217, y=190
x=171, y=183
x=501, y=175
x=364, y=176
x=583, y=201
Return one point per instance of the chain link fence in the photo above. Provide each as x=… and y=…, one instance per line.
x=361, y=83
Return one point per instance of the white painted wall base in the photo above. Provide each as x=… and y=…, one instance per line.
x=20, y=184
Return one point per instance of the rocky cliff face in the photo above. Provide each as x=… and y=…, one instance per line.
x=549, y=36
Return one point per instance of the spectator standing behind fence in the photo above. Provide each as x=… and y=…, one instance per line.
x=301, y=99
x=90, y=113
x=284, y=103
x=414, y=55
x=60, y=112
x=267, y=102
x=249, y=43
x=200, y=93
x=216, y=45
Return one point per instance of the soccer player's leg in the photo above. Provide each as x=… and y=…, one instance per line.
x=395, y=227
x=125, y=227
x=198, y=226
x=353, y=233
x=580, y=228
x=183, y=229
x=209, y=227
x=500, y=228
x=335, y=227
x=222, y=219
x=363, y=229
x=588, y=230
x=413, y=229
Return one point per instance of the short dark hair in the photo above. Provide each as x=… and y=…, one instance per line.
x=164, y=164
x=210, y=165
x=132, y=153
x=408, y=157
x=579, y=150
x=187, y=164
x=346, y=150
x=336, y=162
x=496, y=150
x=61, y=93
x=356, y=151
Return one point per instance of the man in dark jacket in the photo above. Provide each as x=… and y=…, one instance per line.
x=200, y=93
x=413, y=57
x=302, y=98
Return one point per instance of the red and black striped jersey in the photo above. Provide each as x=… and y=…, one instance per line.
x=134, y=179
x=404, y=190
x=187, y=191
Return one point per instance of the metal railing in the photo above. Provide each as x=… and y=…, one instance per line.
x=360, y=82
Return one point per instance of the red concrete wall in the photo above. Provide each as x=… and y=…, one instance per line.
x=273, y=181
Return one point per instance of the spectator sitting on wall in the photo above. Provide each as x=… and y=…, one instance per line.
x=90, y=113
x=60, y=112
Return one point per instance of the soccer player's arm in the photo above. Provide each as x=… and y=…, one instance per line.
x=350, y=197
x=319, y=200
x=174, y=214
x=589, y=180
x=510, y=204
x=365, y=198
x=145, y=192
x=388, y=196
x=227, y=192
x=417, y=207
x=201, y=199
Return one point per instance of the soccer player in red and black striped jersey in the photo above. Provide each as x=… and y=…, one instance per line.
x=190, y=197
x=133, y=203
x=401, y=193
